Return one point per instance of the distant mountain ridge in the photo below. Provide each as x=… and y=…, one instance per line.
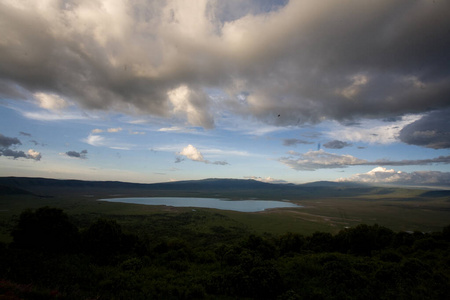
x=209, y=183
x=218, y=187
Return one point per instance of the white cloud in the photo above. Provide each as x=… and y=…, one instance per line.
x=177, y=129
x=100, y=141
x=118, y=129
x=34, y=154
x=53, y=116
x=390, y=176
x=51, y=102
x=111, y=130
x=95, y=140
x=137, y=132
x=193, y=154
x=222, y=152
x=266, y=179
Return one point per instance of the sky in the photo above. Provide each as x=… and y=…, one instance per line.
x=276, y=91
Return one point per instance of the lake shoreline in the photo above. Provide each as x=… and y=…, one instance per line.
x=216, y=203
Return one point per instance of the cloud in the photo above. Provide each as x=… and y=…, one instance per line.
x=137, y=132
x=266, y=179
x=193, y=154
x=162, y=57
x=95, y=140
x=314, y=160
x=390, y=176
x=177, y=129
x=114, y=129
x=352, y=91
x=82, y=154
x=100, y=141
x=431, y=131
x=110, y=130
x=227, y=152
x=412, y=162
x=6, y=142
x=25, y=133
x=54, y=116
x=336, y=144
x=178, y=160
x=219, y=162
x=51, y=102
x=371, y=131
x=31, y=154
x=34, y=155
x=12, y=153
x=293, y=142
x=193, y=104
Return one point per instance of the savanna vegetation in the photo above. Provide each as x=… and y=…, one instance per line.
x=206, y=255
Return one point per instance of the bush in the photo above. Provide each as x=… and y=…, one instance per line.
x=47, y=230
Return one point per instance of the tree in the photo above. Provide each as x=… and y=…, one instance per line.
x=291, y=242
x=47, y=229
x=105, y=238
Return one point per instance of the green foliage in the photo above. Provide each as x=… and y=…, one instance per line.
x=291, y=243
x=167, y=261
x=46, y=229
x=363, y=239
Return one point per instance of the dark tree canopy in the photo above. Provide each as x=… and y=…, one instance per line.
x=46, y=229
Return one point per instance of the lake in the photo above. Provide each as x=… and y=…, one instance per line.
x=236, y=205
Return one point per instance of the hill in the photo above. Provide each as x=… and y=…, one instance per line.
x=217, y=187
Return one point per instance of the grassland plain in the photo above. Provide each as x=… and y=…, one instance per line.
x=400, y=210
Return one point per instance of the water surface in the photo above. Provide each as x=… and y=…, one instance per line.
x=236, y=205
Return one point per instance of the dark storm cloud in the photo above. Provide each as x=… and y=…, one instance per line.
x=315, y=61
x=336, y=144
x=392, y=119
x=6, y=142
x=293, y=142
x=12, y=153
x=431, y=131
x=75, y=154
